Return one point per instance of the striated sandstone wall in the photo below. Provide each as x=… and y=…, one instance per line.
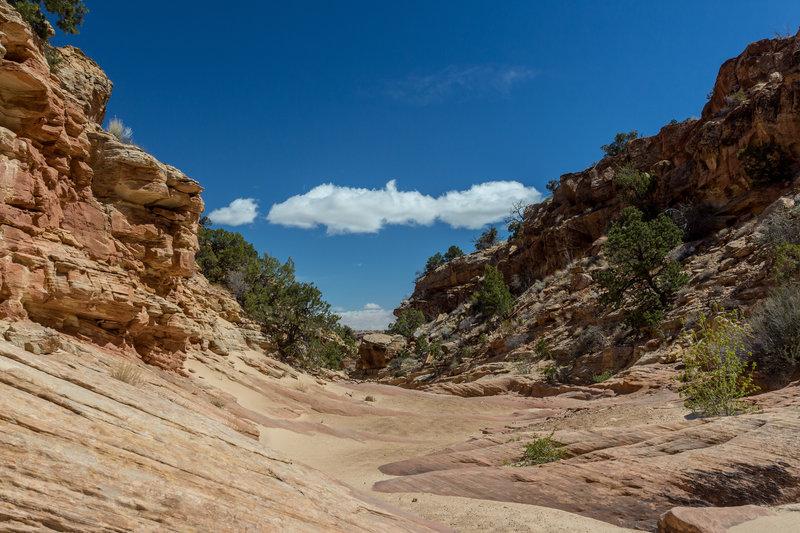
x=97, y=237
x=695, y=164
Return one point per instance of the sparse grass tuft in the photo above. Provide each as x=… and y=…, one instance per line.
x=218, y=402
x=128, y=373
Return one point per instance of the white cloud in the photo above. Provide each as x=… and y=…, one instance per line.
x=455, y=82
x=370, y=317
x=238, y=212
x=357, y=210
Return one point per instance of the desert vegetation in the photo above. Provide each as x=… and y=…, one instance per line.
x=493, y=298
x=119, y=130
x=486, y=239
x=641, y=278
x=542, y=450
x=620, y=143
x=407, y=323
x=293, y=313
x=69, y=15
x=716, y=373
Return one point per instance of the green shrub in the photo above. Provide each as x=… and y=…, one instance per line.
x=541, y=350
x=620, y=144
x=487, y=239
x=636, y=188
x=292, y=313
x=494, y=297
x=775, y=338
x=603, y=376
x=421, y=347
x=787, y=262
x=407, y=323
x=70, y=14
x=542, y=450
x=483, y=338
x=641, y=278
x=716, y=374
x=552, y=185
x=467, y=352
x=53, y=56
x=434, y=262
x=453, y=252
x=435, y=349
x=328, y=354
x=766, y=162
x=551, y=373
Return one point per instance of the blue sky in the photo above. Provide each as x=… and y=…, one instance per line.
x=314, y=107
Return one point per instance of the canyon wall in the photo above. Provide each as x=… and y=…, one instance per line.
x=756, y=100
x=97, y=237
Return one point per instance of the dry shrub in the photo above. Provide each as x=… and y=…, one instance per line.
x=127, y=372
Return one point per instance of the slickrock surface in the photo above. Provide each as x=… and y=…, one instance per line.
x=628, y=475
x=82, y=451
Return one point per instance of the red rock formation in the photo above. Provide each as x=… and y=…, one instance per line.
x=694, y=162
x=98, y=237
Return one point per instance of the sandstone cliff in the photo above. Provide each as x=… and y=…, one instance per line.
x=98, y=237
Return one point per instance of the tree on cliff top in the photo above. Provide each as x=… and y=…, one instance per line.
x=70, y=14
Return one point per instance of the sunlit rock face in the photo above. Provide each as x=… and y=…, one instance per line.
x=97, y=237
x=756, y=99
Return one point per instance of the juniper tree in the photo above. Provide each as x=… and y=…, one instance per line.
x=453, y=252
x=493, y=297
x=641, y=278
x=69, y=12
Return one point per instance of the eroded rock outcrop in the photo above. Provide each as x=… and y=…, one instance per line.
x=697, y=171
x=98, y=237
x=377, y=349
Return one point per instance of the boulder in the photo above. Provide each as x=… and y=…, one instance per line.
x=708, y=519
x=377, y=349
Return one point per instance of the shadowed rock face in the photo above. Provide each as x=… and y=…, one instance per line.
x=629, y=476
x=98, y=237
x=694, y=162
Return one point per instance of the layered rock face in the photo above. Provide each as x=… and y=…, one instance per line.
x=756, y=100
x=90, y=446
x=98, y=237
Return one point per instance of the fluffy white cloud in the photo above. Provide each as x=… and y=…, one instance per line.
x=370, y=317
x=357, y=210
x=454, y=82
x=238, y=212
